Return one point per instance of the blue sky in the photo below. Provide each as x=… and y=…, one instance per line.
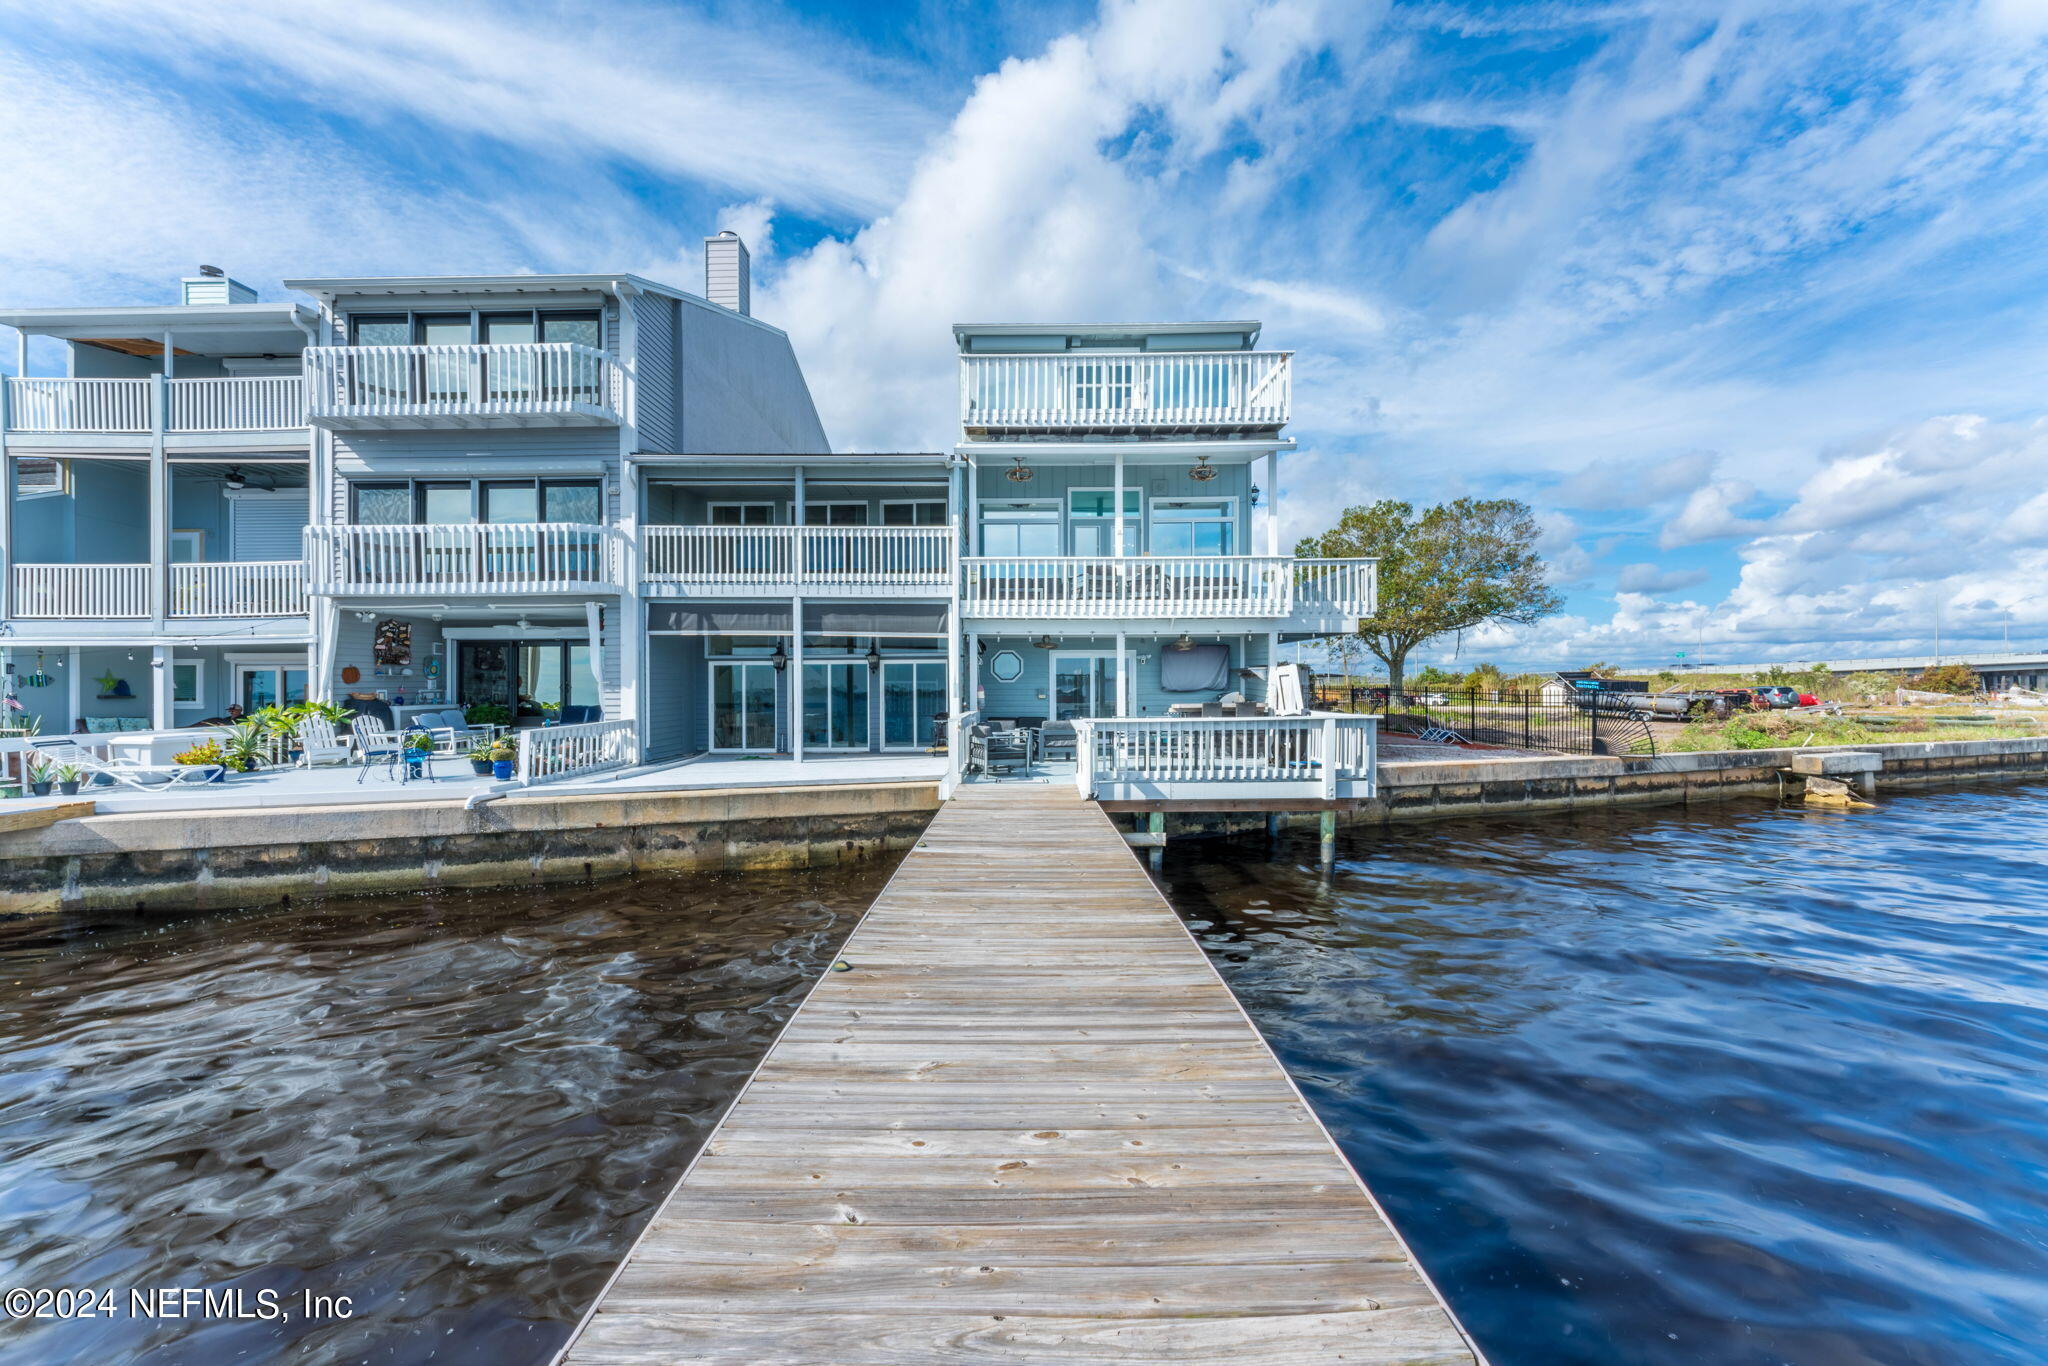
x=1745, y=298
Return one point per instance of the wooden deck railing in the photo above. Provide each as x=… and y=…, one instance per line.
x=36, y=404
x=1167, y=389
x=549, y=752
x=800, y=556
x=244, y=403
x=79, y=591
x=1131, y=586
x=488, y=557
x=1319, y=756
x=519, y=380
x=239, y=588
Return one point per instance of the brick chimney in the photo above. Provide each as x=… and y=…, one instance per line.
x=726, y=272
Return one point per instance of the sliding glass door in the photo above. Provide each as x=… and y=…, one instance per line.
x=743, y=706
x=836, y=706
x=913, y=693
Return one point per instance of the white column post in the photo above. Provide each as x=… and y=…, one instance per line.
x=796, y=677
x=1272, y=663
x=956, y=736
x=1272, y=502
x=170, y=357
x=160, y=658
x=327, y=640
x=973, y=496
x=76, y=691
x=970, y=672
x=1125, y=697
x=1116, y=510
x=159, y=580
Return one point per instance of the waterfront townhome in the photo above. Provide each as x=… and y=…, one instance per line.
x=1123, y=571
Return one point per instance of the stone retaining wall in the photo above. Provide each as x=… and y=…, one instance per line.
x=269, y=856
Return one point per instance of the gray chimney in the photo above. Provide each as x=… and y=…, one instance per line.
x=726, y=272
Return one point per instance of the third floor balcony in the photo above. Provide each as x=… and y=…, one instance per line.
x=528, y=384
x=1153, y=393
x=114, y=412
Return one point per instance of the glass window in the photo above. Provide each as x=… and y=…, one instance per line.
x=580, y=328
x=836, y=514
x=444, y=504
x=383, y=504
x=1020, y=529
x=741, y=514
x=914, y=514
x=507, y=329
x=511, y=502
x=577, y=502
x=1194, y=526
x=540, y=677
x=185, y=681
x=381, y=329
x=1095, y=502
x=835, y=645
x=442, y=329
x=582, y=683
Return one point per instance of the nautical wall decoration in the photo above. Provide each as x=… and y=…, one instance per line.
x=394, y=641
x=112, y=687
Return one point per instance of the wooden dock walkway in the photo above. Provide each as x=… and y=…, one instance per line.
x=1029, y=1124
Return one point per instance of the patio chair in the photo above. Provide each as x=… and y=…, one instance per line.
x=319, y=744
x=1058, y=740
x=997, y=751
x=142, y=777
x=373, y=740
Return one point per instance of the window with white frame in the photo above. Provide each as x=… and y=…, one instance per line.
x=1023, y=527
x=41, y=478
x=1194, y=526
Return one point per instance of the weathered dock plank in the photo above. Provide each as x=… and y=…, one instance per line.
x=1029, y=1124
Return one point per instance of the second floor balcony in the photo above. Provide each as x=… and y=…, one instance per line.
x=1173, y=587
x=99, y=592
x=736, y=560
x=527, y=384
x=449, y=559
x=1150, y=393
x=56, y=407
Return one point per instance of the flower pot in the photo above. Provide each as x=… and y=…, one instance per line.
x=69, y=789
x=482, y=767
x=294, y=755
x=220, y=775
x=40, y=789
x=501, y=769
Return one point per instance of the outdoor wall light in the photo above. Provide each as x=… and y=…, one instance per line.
x=874, y=656
x=780, y=659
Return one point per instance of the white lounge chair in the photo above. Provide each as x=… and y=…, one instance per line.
x=318, y=743
x=143, y=777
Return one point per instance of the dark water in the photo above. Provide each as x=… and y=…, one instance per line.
x=1748, y=1086
x=457, y=1110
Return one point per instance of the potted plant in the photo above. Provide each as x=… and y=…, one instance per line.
x=418, y=746
x=244, y=746
x=479, y=756
x=38, y=775
x=487, y=714
x=551, y=713
x=504, y=756
x=280, y=724
x=206, y=754
x=68, y=776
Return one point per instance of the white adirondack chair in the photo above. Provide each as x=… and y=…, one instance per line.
x=319, y=744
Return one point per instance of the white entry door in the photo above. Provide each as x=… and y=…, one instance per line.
x=1082, y=685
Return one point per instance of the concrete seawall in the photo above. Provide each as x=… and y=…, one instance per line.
x=268, y=856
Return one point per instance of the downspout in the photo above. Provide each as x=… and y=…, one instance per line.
x=632, y=625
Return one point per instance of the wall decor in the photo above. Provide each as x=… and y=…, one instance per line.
x=1006, y=667
x=351, y=674
x=394, y=641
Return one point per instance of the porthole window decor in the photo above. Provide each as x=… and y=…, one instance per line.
x=1006, y=667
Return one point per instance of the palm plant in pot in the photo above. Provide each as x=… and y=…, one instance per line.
x=38, y=775
x=479, y=756
x=245, y=746
x=68, y=778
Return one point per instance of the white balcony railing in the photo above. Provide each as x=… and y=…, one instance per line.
x=547, y=752
x=529, y=382
x=81, y=591
x=1317, y=756
x=239, y=588
x=1336, y=588
x=1131, y=586
x=800, y=556
x=490, y=557
x=35, y=404
x=1186, y=390
x=244, y=403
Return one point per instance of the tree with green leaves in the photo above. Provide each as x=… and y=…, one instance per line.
x=1454, y=567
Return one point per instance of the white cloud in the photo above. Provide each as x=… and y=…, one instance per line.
x=1711, y=513
x=1651, y=579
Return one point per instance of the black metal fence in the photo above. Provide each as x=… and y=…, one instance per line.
x=1584, y=724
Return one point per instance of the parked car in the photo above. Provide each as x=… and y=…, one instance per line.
x=1776, y=695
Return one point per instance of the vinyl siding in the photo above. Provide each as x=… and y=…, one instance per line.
x=740, y=388
x=654, y=371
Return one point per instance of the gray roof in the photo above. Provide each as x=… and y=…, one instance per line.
x=963, y=330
